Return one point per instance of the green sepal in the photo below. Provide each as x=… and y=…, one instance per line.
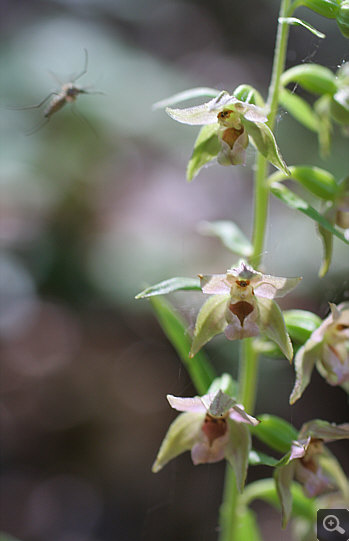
x=304, y=364
x=274, y=431
x=343, y=18
x=299, y=22
x=206, y=148
x=230, y=235
x=339, y=106
x=283, y=479
x=300, y=324
x=169, y=286
x=326, y=8
x=199, y=367
x=189, y=94
x=273, y=325
x=295, y=202
x=226, y=384
x=312, y=77
x=264, y=140
x=237, y=451
x=180, y=437
x=317, y=181
x=210, y=321
x=327, y=244
x=249, y=94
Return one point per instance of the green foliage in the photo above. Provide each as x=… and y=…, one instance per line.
x=299, y=22
x=198, y=366
x=230, y=235
x=169, y=286
x=312, y=77
x=275, y=432
x=326, y=8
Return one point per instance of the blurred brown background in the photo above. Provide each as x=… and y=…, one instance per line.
x=86, y=220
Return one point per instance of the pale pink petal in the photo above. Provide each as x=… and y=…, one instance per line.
x=194, y=405
x=298, y=448
x=239, y=415
x=214, y=284
x=235, y=331
x=274, y=286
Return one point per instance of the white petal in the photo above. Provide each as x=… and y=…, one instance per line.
x=274, y=286
x=194, y=405
x=215, y=284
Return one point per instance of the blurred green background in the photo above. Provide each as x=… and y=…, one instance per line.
x=93, y=209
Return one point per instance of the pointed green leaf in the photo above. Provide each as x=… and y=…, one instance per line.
x=298, y=22
x=180, y=437
x=283, y=478
x=256, y=458
x=169, y=286
x=237, y=451
x=230, y=235
x=312, y=77
x=263, y=139
x=189, y=94
x=199, y=367
x=300, y=324
x=294, y=201
x=246, y=526
x=326, y=8
x=273, y=325
x=275, y=432
x=206, y=148
x=317, y=181
x=210, y=321
x=299, y=109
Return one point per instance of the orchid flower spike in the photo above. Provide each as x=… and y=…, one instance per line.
x=212, y=427
x=328, y=349
x=243, y=306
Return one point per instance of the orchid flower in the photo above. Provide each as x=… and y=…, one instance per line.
x=228, y=126
x=243, y=306
x=328, y=349
x=304, y=462
x=213, y=427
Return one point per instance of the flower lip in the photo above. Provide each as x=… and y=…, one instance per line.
x=214, y=427
x=241, y=309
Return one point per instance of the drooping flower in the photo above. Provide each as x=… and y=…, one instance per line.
x=306, y=460
x=212, y=427
x=243, y=306
x=328, y=349
x=228, y=126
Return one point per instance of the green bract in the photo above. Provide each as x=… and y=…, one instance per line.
x=343, y=18
x=228, y=125
x=327, y=8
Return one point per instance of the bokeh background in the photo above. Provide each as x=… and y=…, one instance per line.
x=94, y=206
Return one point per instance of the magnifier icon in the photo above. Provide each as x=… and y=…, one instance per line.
x=331, y=524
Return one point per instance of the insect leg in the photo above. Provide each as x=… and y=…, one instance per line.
x=37, y=106
x=37, y=127
x=84, y=70
x=82, y=118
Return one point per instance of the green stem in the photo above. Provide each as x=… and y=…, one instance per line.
x=248, y=364
x=227, y=515
x=248, y=371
